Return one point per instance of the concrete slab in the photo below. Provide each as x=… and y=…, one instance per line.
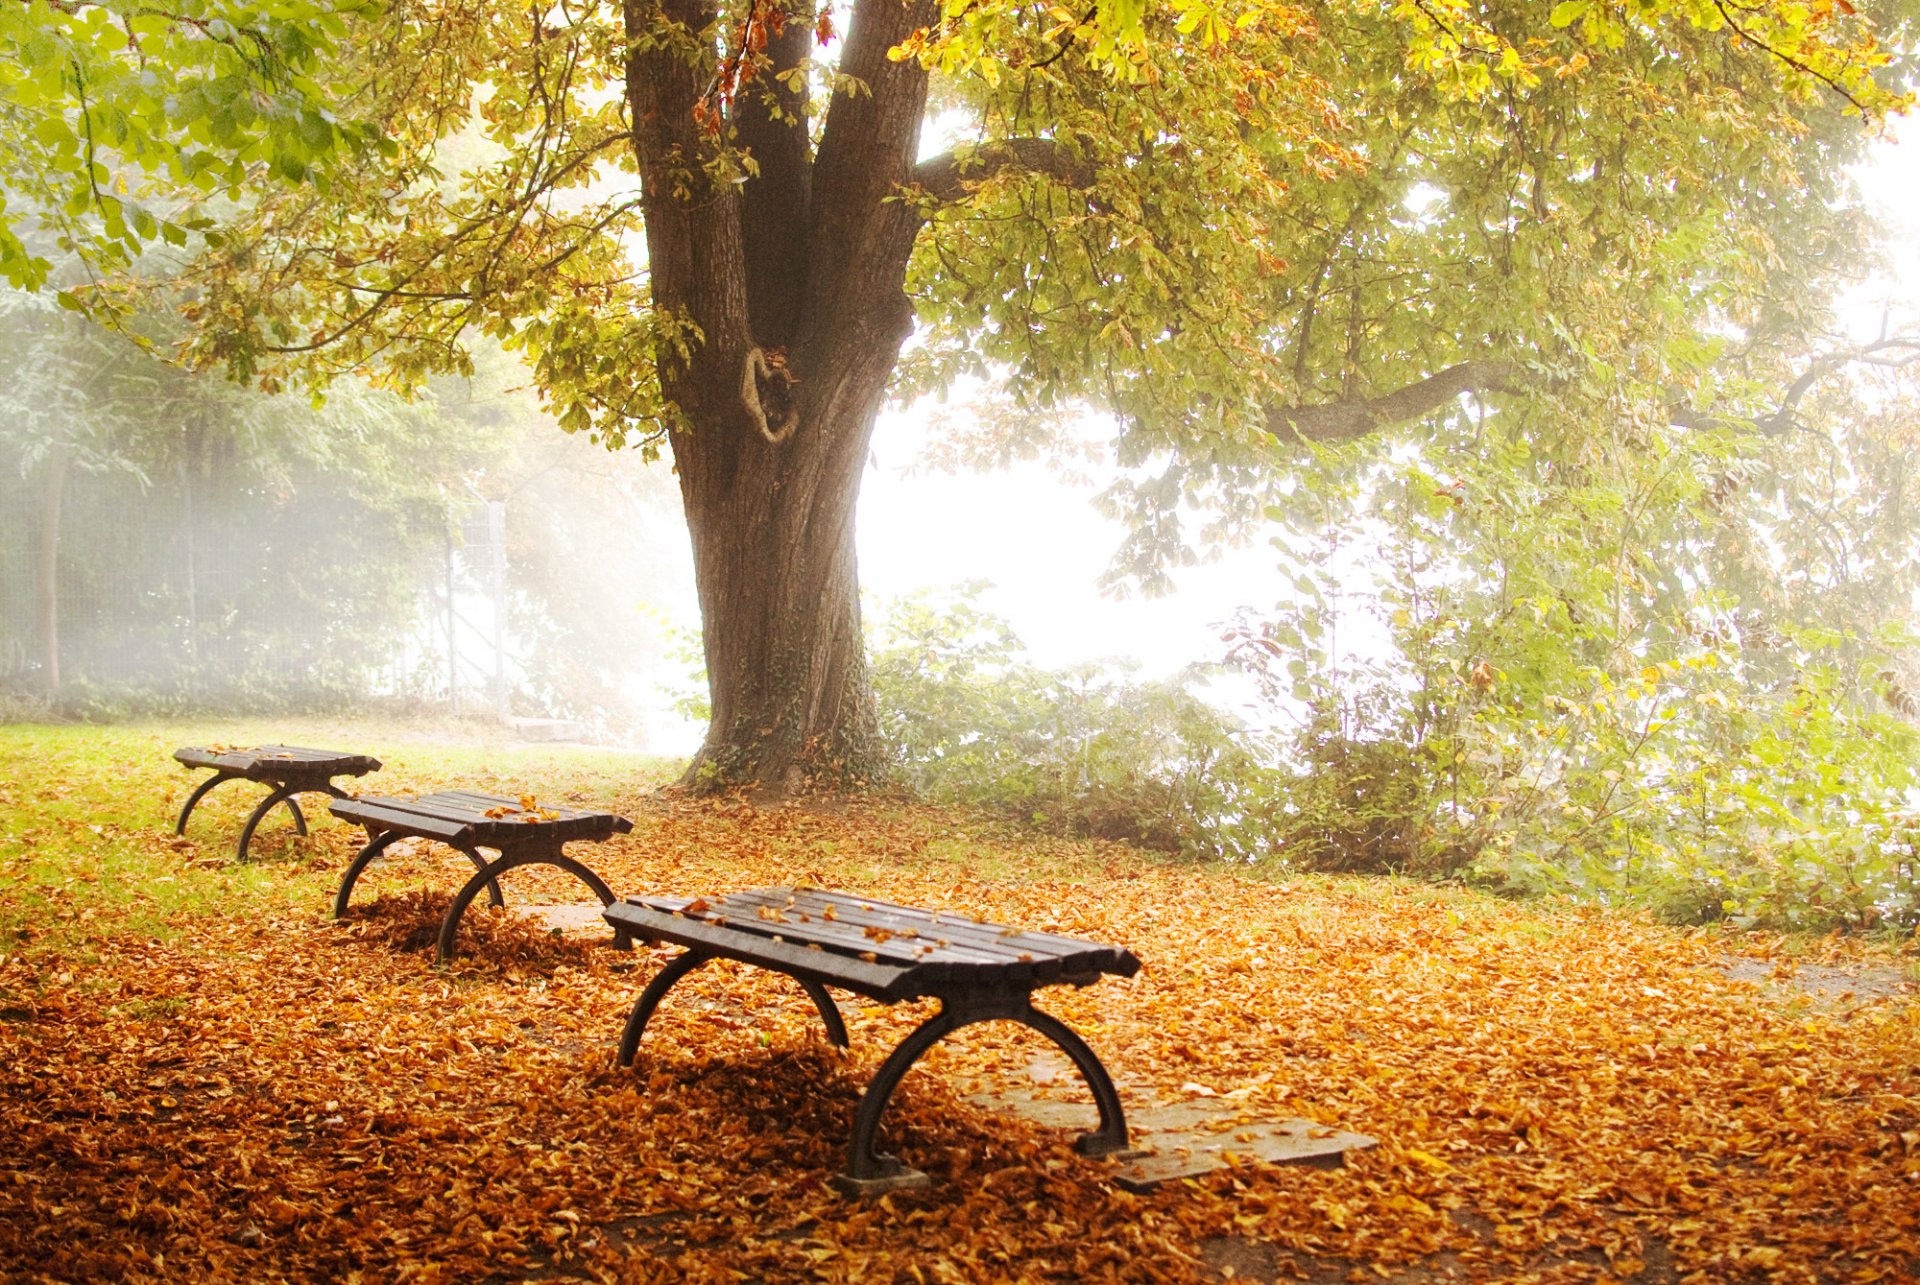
x=1186, y=1139
x=1177, y=1155
x=571, y=917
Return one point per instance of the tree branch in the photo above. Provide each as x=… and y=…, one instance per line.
x=1889, y=351
x=1353, y=417
x=694, y=255
x=951, y=175
x=1348, y=418
x=770, y=115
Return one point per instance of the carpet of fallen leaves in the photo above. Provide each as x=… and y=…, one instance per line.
x=1564, y=1095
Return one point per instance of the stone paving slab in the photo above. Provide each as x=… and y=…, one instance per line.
x=568, y=918
x=1176, y=1140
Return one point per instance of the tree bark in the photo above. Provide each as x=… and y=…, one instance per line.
x=1349, y=418
x=46, y=588
x=794, y=280
x=774, y=562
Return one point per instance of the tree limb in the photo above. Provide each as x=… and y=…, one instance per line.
x=1347, y=418
x=1352, y=417
x=951, y=175
x=1889, y=351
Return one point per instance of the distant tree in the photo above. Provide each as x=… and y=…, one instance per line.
x=209, y=543
x=713, y=228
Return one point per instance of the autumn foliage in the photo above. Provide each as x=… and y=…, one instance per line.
x=236, y=1088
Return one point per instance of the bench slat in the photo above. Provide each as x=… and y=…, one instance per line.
x=886, y=982
x=378, y=812
x=963, y=932
x=977, y=955
x=836, y=935
x=461, y=819
x=568, y=822
x=277, y=762
x=1046, y=956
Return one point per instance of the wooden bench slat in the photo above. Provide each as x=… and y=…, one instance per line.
x=462, y=819
x=881, y=981
x=277, y=763
x=987, y=956
x=1046, y=957
x=379, y=813
x=847, y=938
x=962, y=931
x=966, y=924
x=569, y=818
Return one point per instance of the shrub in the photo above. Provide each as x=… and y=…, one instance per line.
x=1086, y=750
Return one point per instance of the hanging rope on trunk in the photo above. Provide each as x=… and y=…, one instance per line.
x=776, y=402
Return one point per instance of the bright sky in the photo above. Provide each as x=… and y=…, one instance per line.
x=1041, y=544
x=1042, y=547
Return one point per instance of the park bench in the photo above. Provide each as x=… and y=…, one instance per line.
x=289, y=769
x=521, y=831
x=980, y=972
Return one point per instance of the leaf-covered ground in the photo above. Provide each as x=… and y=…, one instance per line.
x=204, y=1078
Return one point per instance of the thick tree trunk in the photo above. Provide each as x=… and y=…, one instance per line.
x=772, y=524
x=793, y=279
x=779, y=592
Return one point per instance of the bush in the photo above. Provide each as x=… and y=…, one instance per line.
x=1087, y=750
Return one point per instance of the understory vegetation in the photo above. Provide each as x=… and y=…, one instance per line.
x=172, y=543
x=1676, y=675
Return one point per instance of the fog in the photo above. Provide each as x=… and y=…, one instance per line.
x=221, y=549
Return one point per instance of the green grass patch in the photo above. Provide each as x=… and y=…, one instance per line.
x=87, y=849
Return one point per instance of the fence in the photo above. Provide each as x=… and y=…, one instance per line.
x=162, y=598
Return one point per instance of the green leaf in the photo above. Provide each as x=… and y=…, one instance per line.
x=1568, y=12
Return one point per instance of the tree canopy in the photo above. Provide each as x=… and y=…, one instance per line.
x=102, y=99
x=714, y=227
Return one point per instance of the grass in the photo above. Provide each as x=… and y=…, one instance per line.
x=87, y=812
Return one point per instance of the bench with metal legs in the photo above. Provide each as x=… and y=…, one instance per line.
x=979, y=972
x=289, y=769
x=521, y=835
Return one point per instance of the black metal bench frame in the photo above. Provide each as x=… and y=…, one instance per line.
x=290, y=769
x=978, y=972
x=459, y=819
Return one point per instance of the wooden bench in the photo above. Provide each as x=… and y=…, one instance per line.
x=289, y=769
x=979, y=972
x=522, y=831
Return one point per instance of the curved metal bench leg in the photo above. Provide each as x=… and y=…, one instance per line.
x=488, y=873
x=1111, y=1136
x=199, y=793
x=375, y=846
x=299, y=817
x=494, y=895
x=867, y=1169
x=584, y=875
x=829, y=1011
x=282, y=795
x=679, y=966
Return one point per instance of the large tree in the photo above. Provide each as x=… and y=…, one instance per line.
x=1235, y=227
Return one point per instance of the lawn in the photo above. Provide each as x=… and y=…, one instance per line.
x=203, y=1077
